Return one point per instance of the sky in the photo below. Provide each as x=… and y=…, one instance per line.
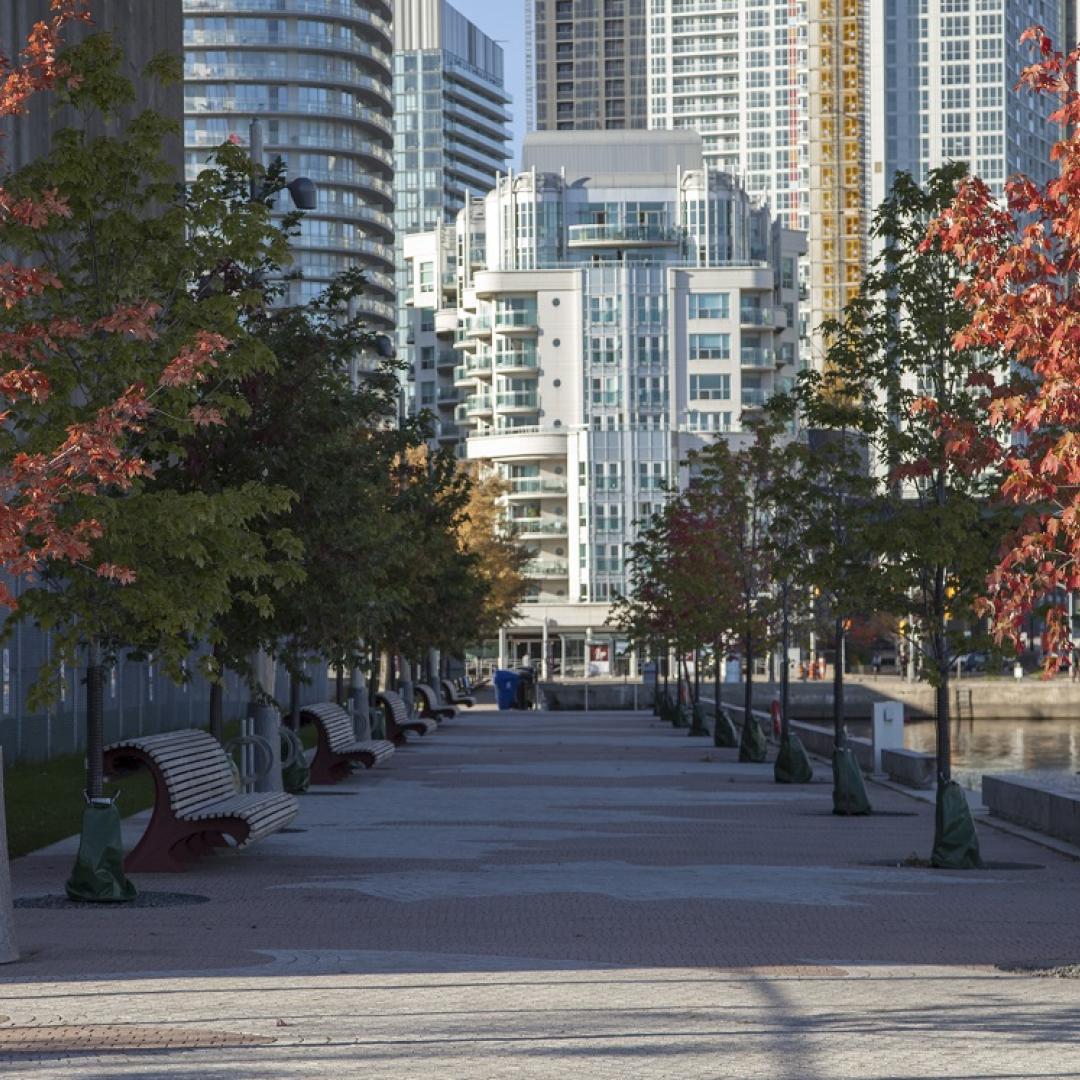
x=504, y=20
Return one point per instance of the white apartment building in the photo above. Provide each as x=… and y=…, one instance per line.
x=613, y=305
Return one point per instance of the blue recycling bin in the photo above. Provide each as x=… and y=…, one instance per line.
x=506, y=684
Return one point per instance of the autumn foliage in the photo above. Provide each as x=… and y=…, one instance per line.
x=1021, y=261
x=96, y=454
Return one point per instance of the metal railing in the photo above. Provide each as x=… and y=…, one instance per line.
x=624, y=234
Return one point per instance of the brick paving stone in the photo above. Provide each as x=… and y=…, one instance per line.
x=555, y=895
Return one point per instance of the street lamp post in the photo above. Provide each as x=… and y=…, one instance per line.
x=264, y=716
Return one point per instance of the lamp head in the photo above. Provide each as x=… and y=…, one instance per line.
x=305, y=195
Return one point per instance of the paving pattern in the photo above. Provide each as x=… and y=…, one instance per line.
x=562, y=895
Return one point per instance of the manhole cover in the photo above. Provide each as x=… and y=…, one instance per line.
x=90, y=1038
x=142, y=900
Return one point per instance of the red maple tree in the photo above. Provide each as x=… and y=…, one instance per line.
x=96, y=454
x=1021, y=261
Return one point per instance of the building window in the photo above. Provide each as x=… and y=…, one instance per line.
x=427, y=277
x=710, y=346
x=710, y=306
x=710, y=387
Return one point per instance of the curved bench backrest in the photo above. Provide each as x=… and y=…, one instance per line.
x=192, y=764
x=431, y=698
x=395, y=703
x=335, y=721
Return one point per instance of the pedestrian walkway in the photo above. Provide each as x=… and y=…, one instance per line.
x=563, y=895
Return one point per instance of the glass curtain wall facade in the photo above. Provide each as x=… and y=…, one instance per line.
x=317, y=73
x=587, y=64
x=452, y=139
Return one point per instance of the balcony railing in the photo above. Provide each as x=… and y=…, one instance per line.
x=478, y=403
x=752, y=357
x=555, y=568
x=518, y=399
x=756, y=316
x=628, y=235
x=545, y=528
x=753, y=398
x=477, y=325
x=519, y=358
x=515, y=320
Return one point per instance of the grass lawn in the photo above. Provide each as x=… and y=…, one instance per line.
x=44, y=799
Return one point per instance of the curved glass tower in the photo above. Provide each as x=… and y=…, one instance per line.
x=318, y=75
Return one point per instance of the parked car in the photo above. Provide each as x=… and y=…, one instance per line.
x=973, y=661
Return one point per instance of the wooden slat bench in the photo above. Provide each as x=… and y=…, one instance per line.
x=398, y=720
x=455, y=696
x=431, y=706
x=196, y=804
x=338, y=747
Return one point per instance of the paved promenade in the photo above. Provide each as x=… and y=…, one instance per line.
x=557, y=895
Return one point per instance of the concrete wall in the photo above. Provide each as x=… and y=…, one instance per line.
x=1044, y=809
x=142, y=28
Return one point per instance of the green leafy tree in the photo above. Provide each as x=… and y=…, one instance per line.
x=152, y=267
x=314, y=427
x=737, y=482
x=897, y=378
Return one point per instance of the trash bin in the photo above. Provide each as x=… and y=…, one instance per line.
x=506, y=685
x=526, y=688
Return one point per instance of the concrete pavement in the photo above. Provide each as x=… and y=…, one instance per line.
x=555, y=895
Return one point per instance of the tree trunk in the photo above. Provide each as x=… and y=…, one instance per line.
x=339, y=683
x=294, y=701
x=9, y=950
x=944, y=751
x=839, y=732
x=785, y=682
x=217, y=696
x=717, y=684
x=697, y=676
x=748, y=687
x=95, y=723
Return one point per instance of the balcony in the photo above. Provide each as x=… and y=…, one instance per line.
x=480, y=364
x=478, y=326
x=446, y=321
x=538, y=568
x=518, y=400
x=756, y=316
x=523, y=360
x=515, y=322
x=626, y=236
x=532, y=528
x=757, y=358
x=463, y=375
x=478, y=405
x=753, y=397
x=449, y=395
